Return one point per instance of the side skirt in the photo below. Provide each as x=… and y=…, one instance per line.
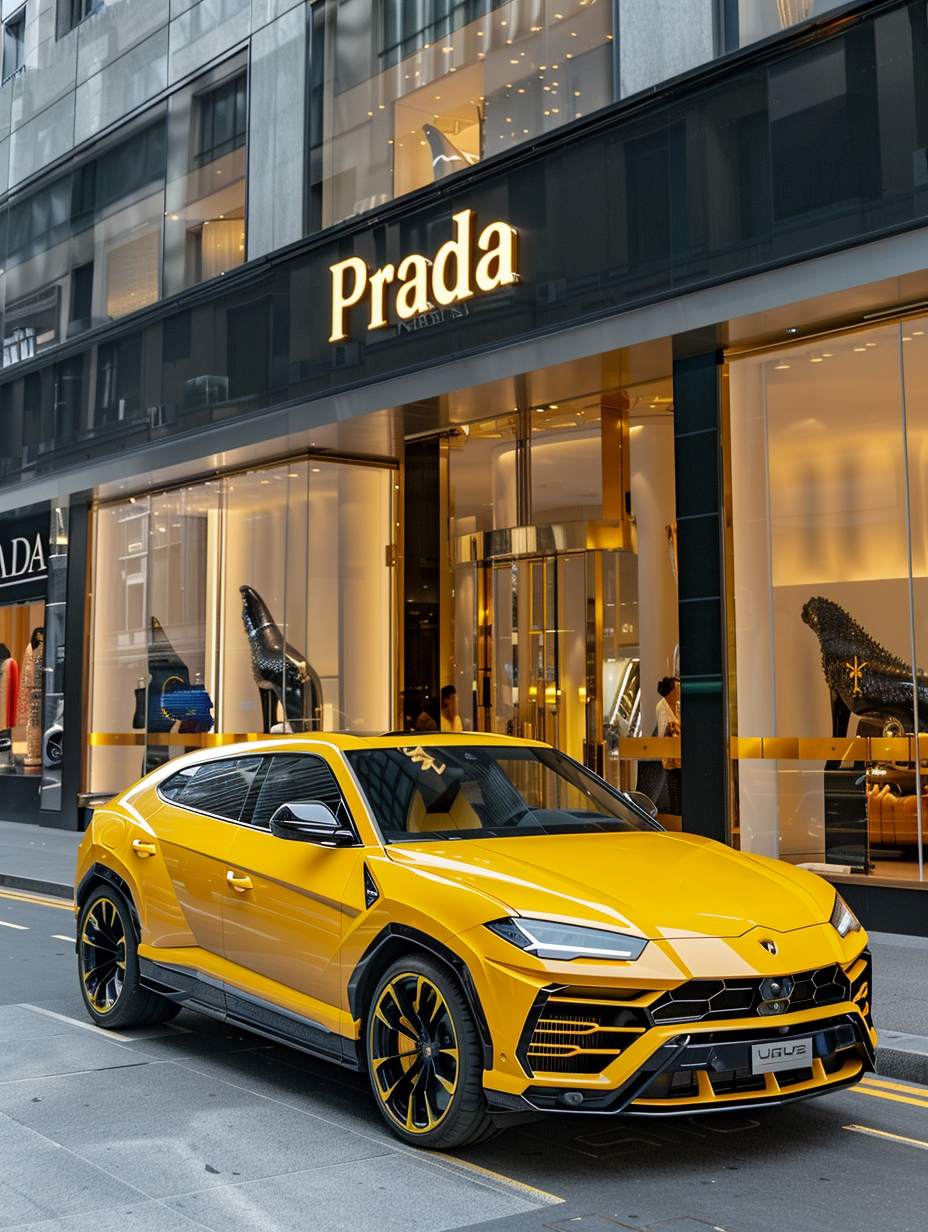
x=206, y=995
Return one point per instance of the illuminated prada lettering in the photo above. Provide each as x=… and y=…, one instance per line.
x=418, y=284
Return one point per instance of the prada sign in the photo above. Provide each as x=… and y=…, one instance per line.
x=469, y=263
x=23, y=559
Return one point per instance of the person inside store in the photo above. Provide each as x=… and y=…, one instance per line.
x=450, y=719
x=668, y=706
x=669, y=800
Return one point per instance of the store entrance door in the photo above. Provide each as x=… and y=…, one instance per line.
x=546, y=641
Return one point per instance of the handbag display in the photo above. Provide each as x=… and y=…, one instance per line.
x=191, y=705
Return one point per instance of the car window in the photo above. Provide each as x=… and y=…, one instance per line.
x=295, y=776
x=218, y=787
x=469, y=791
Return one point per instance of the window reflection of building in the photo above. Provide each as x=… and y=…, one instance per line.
x=438, y=86
x=104, y=238
x=205, y=198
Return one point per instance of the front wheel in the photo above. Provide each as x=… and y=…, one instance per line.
x=424, y=1057
x=108, y=962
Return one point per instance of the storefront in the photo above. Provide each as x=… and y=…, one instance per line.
x=642, y=401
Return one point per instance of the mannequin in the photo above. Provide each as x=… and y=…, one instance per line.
x=30, y=697
x=9, y=687
x=9, y=680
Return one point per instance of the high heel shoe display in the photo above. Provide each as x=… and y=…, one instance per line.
x=862, y=676
x=280, y=671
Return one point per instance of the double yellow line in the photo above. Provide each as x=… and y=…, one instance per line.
x=898, y=1093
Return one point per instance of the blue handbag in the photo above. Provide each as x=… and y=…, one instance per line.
x=191, y=705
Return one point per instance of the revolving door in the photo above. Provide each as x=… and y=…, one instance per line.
x=546, y=639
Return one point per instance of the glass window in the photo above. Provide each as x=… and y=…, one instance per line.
x=746, y=21
x=14, y=43
x=204, y=220
x=411, y=93
x=442, y=792
x=295, y=777
x=107, y=237
x=217, y=787
x=828, y=556
x=255, y=603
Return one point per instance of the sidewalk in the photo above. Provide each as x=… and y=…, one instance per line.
x=42, y=860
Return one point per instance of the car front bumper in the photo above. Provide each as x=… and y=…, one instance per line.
x=678, y=1068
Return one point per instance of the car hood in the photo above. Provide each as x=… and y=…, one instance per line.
x=655, y=884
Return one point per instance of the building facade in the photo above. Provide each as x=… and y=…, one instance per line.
x=551, y=351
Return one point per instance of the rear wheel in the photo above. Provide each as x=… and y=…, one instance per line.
x=109, y=966
x=424, y=1057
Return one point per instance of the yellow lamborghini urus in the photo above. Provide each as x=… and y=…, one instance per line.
x=483, y=926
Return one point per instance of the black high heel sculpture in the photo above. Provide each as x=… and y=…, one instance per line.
x=280, y=671
x=862, y=676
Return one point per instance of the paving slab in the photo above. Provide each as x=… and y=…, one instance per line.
x=374, y=1195
x=41, y=1182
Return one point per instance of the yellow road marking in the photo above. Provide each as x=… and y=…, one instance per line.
x=898, y=1099
x=500, y=1179
x=881, y=1133
x=41, y=900
x=889, y=1085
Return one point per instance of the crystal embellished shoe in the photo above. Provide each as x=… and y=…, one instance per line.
x=862, y=676
x=279, y=670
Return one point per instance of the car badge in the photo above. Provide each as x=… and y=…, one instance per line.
x=769, y=946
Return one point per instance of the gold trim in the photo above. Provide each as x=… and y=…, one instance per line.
x=790, y=748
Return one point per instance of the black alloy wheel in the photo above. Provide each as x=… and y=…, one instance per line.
x=107, y=956
x=424, y=1057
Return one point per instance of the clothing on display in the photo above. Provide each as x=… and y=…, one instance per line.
x=9, y=688
x=30, y=696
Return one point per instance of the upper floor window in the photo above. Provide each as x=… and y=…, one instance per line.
x=72, y=12
x=14, y=43
x=222, y=120
x=406, y=92
x=747, y=21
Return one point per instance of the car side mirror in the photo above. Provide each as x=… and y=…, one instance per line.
x=645, y=803
x=310, y=821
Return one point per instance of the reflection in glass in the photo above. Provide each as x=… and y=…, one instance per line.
x=433, y=88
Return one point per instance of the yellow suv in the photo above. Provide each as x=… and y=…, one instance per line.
x=486, y=928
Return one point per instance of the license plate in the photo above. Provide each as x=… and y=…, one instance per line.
x=785, y=1054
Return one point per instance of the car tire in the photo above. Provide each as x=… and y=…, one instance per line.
x=425, y=1058
x=108, y=965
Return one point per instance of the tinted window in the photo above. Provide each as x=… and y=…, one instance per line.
x=292, y=777
x=217, y=787
x=447, y=791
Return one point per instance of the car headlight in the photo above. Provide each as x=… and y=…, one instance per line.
x=547, y=939
x=843, y=920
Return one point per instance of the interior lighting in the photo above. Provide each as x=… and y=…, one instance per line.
x=816, y=359
x=906, y=339
x=860, y=348
x=917, y=332
x=780, y=367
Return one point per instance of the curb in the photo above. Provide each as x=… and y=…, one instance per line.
x=35, y=885
x=903, y=1056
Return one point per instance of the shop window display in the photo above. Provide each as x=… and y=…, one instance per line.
x=831, y=586
x=258, y=602
x=22, y=672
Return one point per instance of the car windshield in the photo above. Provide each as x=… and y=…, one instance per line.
x=422, y=792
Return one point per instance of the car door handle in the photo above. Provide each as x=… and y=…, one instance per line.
x=241, y=883
x=143, y=848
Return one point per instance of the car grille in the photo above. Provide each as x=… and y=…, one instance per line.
x=708, y=1000
x=576, y=1035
